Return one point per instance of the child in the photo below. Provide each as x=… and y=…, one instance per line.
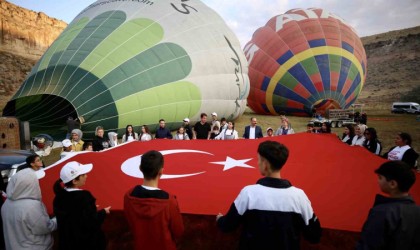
x=394, y=221
x=79, y=222
x=153, y=214
x=273, y=213
x=67, y=148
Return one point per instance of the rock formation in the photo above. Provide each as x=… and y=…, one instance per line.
x=24, y=37
x=25, y=32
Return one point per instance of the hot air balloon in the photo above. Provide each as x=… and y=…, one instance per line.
x=134, y=62
x=303, y=60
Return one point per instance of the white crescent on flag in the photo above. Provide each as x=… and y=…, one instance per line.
x=131, y=166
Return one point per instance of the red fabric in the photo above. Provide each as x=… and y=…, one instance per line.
x=338, y=179
x=155, y=223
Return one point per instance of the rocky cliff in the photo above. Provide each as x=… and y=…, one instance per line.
x=24, y=36
x=25, y=32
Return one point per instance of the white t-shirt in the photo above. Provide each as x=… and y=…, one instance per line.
x=358, y=141
x=252, y=132
x=397, y=153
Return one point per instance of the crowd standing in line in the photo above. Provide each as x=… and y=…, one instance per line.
x=249, y=209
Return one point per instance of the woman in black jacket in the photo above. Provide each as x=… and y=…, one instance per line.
x=372, y=143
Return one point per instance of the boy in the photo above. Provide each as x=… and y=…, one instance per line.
x=273, y=212
x=153, y=214
x=394, y=221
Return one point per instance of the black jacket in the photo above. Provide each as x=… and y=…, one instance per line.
x=274, y=214
x=393, y=223
x=79, y=222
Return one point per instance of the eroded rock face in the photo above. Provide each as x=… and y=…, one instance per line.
x=25, y=32
x=24, y=37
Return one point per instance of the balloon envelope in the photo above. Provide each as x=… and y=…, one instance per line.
x=304, y=59
x=135, y=62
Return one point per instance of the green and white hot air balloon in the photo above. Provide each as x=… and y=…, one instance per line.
x=135, y=62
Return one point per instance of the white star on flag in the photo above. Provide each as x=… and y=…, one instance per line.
x=231, y=163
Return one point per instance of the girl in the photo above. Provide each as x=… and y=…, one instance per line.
x=228, y=134
x=130, y=135
x=145, y=133
x=348, y=134
x=78, y=220
x=181, y=134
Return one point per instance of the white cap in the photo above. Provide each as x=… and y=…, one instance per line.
x=73, y=169
x=214, y=113
x=66, y=143
x=186, y=120
x=269, y=129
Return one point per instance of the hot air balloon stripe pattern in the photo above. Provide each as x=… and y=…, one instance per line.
x=304, y=59
x=127, y=62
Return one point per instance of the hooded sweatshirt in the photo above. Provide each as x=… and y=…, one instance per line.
x=154, y=218
x=26, y=223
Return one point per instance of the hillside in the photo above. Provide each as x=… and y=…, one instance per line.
x=393, y=64
x=393, y=57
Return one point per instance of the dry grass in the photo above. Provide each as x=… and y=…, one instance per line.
x=386, y=124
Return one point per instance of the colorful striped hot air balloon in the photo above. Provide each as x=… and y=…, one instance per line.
x=304, y=59
x=134, y=62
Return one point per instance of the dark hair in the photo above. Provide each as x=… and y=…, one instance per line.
x=151, y=163
x=146, y=128
x=57, y=187
x=328, y=125
x=405, y=137
x=161, y=120
x=372, y=133
x=203, y=114
x=310, y=125
x=180, y=128
x=126, y=131
x=350, y=127
x=282, y=113
x=398, y=171
x=31, y=159
x=223, y=119
x=233, y=125
x=87, y=144
x=275, y=153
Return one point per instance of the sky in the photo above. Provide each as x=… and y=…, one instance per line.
x=367, y=17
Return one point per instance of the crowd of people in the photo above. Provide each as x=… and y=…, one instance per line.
x=353, y=135
x=272, y=214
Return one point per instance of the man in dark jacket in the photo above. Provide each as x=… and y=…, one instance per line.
x=253, y=131
x=162, y=132
x=394, y=221
x=273, y=213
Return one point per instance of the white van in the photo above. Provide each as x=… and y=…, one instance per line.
x=405, y=107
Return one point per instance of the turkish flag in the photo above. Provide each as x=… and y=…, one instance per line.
x=207, y=175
